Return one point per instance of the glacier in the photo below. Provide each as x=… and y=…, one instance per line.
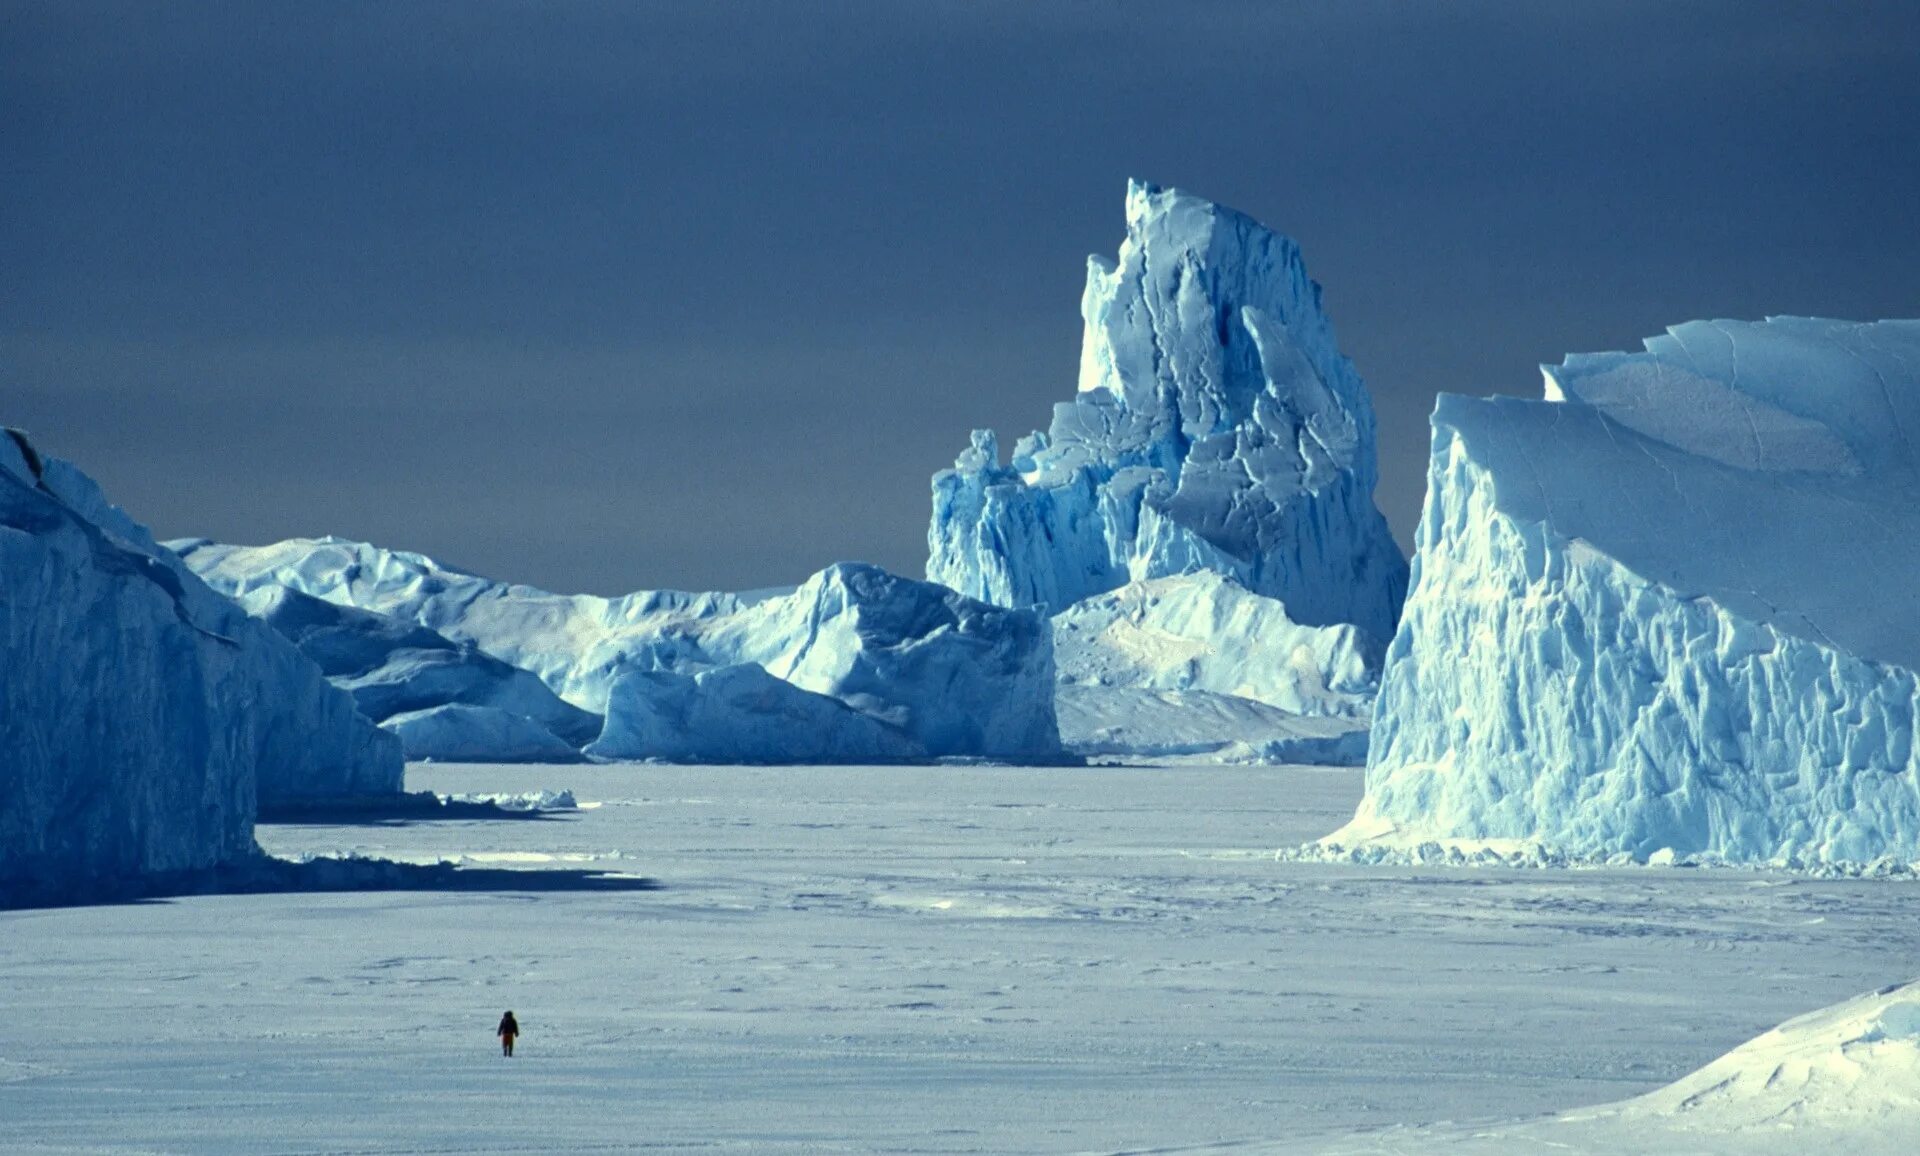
x=1658, y=612
x=1217, y=427
x=144, y=718
x=425, y=687
x=955, y=675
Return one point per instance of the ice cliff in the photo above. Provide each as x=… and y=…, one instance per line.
x=1217, y=427
x=142, y=716
x=1662, y=608
x=954, y=675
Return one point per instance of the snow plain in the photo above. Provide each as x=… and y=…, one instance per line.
x=919, y=959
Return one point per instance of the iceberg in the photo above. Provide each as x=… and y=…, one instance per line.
x=475, y=733
x=955, y=675
x=739, y=714
x=1206, y=632
x=1658, y=613
x=144, y=717
x=395, y=667
x=1217, y=427
x=1117, y=723
x=1195, y=664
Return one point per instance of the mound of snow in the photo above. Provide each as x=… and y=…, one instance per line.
x=396, y=667
x=956, y=675
x=1843, y=1079
x=1206, y=632
x=143, y=716
x=1658, y=611
x=739, y=714
x=1159, y=725
x=1217, y=427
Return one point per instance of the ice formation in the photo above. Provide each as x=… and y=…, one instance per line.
x=1130, y=723
x=1217, y=427
x=955, y=675
x=475, y=733
x=142, y=715
x=1661, y=610
x=425, y=687
x=740, y=714
x=1195, y=664
x=1206, y=632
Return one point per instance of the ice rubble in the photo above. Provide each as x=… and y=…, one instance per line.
x=1661, y=610
x=445, y=700
x=956, y=676
x=1217, y=427
x=143, y=717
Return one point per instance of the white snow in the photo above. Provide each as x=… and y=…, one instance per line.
x=1841, y=1079
x=1217, y=427
x=956, y=675
x=1662, y=611
x=143, y=716
x=913, y=959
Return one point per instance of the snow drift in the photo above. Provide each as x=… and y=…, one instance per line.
x=1845, y=1078
x=1217, y=427
x=955, y=675
x=144, y=717
x=1663, y=609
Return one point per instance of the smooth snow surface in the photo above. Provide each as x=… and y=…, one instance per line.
x=1842, y=1079
x=906, y=959
x=1665, y=609
x=956, y=675
x=1217, y=427
x=142, y=716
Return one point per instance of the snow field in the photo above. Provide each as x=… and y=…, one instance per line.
x=921, y=959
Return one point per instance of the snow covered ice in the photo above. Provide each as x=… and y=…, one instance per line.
x=954, y=675
x=909, y=959
x=1217, y=427
x=1666, y=608
x=142, y=716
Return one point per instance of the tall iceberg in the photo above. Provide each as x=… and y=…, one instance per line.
x=1217, y=427
x=142, y=716
x=1666, y=607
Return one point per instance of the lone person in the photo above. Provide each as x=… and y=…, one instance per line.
x=509, y=1028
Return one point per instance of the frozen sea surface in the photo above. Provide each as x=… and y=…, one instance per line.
x=949, y=959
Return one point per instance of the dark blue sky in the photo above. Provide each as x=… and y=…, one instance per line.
x=613, y=296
